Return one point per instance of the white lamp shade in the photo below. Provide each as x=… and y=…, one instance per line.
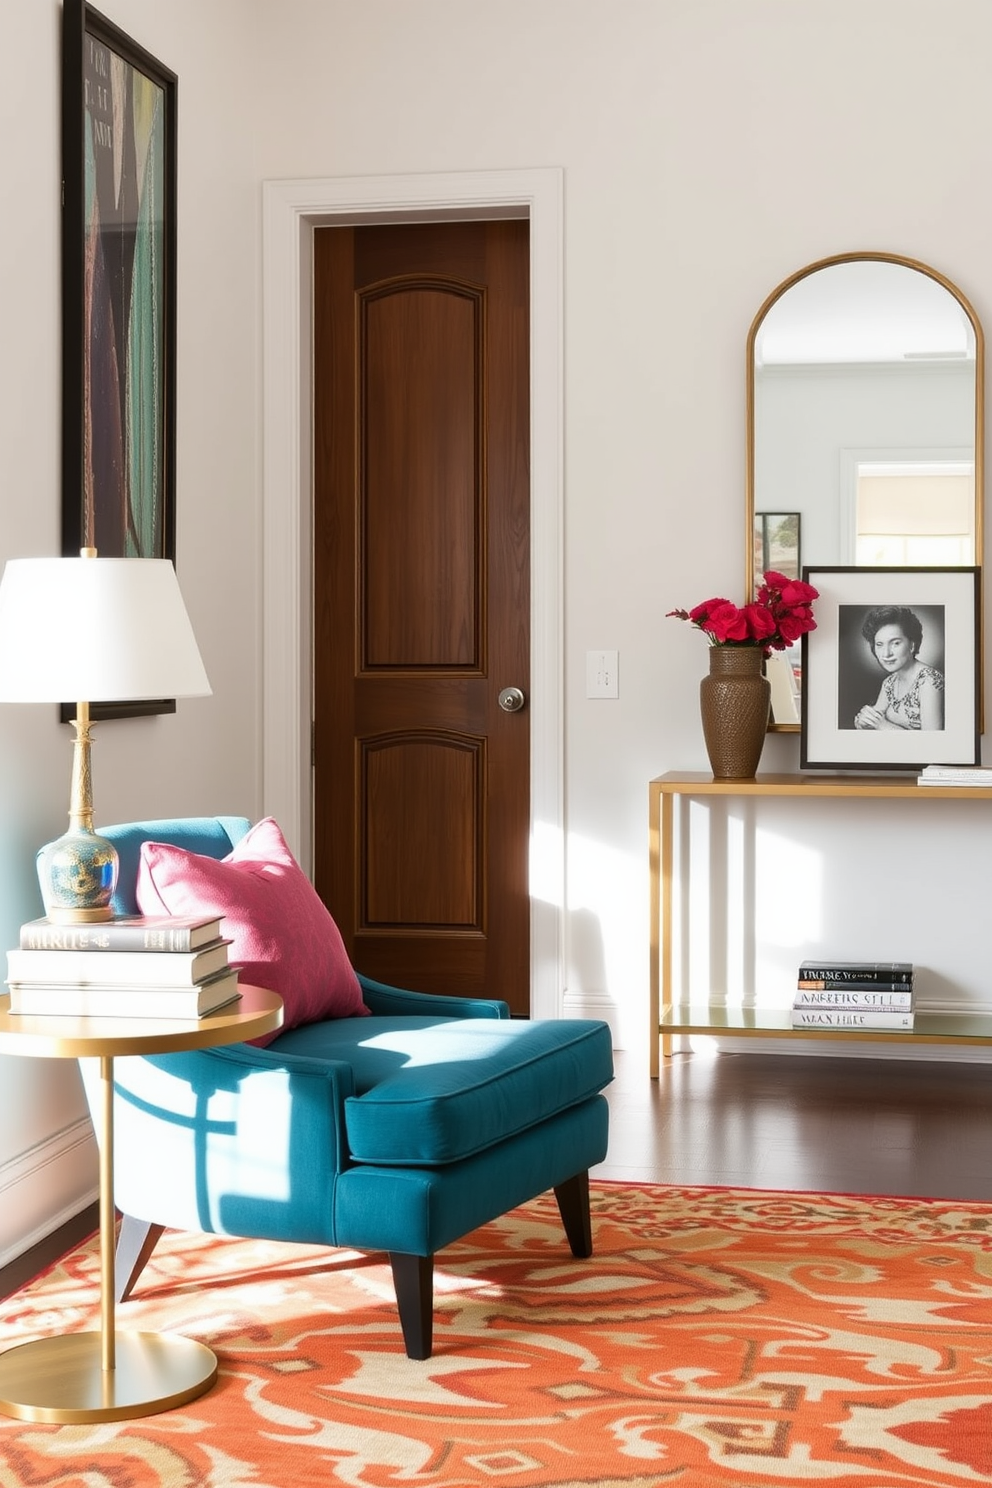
x=97, y=630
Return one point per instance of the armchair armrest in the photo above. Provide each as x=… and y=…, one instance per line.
x=384, y=1000
x=238, y=1140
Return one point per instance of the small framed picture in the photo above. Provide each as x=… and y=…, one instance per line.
x=891, y=673
x=776, y=543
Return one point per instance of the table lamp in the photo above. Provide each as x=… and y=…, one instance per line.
x=105, y=630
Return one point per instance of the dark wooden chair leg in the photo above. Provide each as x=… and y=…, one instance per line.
x=136, y=1239
x=413, y=1278
x=573, y=1206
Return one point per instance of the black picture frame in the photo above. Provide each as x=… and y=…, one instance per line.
x=843, y=674
x=119, y=192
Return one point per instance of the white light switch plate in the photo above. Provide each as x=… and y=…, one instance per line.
x=602, y=680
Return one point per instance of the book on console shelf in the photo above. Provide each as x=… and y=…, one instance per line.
x=956, y=775
x=118, y=968
x=109, y=1001
x=881, y=1020
x=854, y=997
x=821, y=984
x=172, y=933
x=882, y=974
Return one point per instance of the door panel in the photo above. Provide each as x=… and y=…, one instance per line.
x=427, y=791
x=425, y=447
x=422, y=601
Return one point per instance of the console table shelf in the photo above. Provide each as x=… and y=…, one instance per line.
x=757, y=1022
x=669, y=1019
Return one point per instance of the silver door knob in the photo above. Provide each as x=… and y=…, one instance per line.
x=511, y=699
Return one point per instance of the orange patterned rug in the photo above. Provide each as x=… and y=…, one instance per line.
x=717, y=1339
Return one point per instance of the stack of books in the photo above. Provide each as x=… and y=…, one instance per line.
x=133, y=967
x=955, y=775
x=855, y=994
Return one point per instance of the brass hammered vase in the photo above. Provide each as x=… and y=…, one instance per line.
x=734, y=703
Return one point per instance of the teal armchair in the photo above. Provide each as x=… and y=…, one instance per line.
x=398, y=1132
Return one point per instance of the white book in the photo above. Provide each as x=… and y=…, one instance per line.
x=951, y=770
x=853, y=999
x=894, y=1020
x=117, y=968
x=30, y=1000
x=956, y=775
x=123, y=933
x=973, y=782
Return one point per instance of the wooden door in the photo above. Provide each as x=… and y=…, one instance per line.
x=422, y=601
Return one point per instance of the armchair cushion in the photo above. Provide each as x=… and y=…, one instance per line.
x=282, y=935
x=433, y=1091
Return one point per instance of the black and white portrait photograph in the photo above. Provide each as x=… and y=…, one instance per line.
x=891, y=667
x=891, y=672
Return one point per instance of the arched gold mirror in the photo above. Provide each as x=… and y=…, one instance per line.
x=865, y=378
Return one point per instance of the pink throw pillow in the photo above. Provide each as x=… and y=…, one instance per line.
x=282, y=935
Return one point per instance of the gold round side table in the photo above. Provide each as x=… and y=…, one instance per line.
x=112, y=1375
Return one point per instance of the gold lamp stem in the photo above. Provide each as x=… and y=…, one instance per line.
x=81, y=789
x=78, y=872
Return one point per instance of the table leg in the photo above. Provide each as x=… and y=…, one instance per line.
x=108, y=1327
x=661, y=807
x=109, y=1375
x=654, y=799
x=667, y=881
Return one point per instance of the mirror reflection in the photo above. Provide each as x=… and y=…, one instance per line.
x=864, y=426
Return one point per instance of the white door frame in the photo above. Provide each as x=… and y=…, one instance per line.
x=290, y=212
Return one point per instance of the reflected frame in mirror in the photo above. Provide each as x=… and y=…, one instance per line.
x=778, y=543
x=752, y=574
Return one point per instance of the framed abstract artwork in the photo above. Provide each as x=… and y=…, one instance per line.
x=118, y=298
x=891, y=674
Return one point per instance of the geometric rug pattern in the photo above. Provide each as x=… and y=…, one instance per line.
x=717, y=1338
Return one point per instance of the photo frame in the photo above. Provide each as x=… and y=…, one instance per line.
x=118, y=300
x=864, y=705
x=777, y=544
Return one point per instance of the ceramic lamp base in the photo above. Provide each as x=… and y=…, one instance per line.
x=78, y=875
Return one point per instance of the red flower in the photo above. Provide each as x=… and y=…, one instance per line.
x=760, y=620
x=792, y=626
x=702, y=612
x=778, y=591
x=780, y=614
x=725, y=622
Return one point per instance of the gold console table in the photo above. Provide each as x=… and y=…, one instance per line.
x=667, y=1017
x=110, y=1375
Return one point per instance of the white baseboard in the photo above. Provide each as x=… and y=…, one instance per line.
x=595, y=1005
x=45, y=1187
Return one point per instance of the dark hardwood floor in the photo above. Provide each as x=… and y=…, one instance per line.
x=898, y=1127
x=31, y=1262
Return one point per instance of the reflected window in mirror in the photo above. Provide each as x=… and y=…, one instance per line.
x=864, y=402
x=914, y=515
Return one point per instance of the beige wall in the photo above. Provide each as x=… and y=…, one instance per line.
x=709, y=148
x=207, y=756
